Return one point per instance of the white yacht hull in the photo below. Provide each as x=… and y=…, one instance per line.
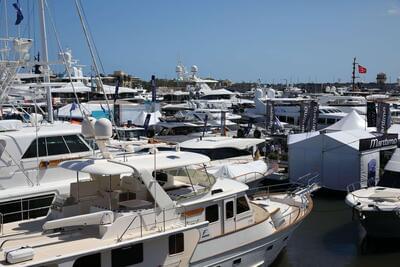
x=261, y=251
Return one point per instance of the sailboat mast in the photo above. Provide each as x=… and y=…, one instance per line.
x=45, y=57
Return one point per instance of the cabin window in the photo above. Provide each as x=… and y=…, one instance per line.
x=88, y=260
x=56, y=146
x=290, y=120
x=176, y=243
x=330, y=121
x=126, y=256
x=31, y=152
x=75, y=144
x=242, y=205
x=229, y=209
x=321, y=121
x=212, y=213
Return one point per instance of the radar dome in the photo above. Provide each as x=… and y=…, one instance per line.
x=258, y=93
x=194, y=69
x=88, y=127
x=271, y=93
x=103, y=129
x=179, y=69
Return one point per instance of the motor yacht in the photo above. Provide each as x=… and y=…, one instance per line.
x=378, y=207
x=29, y=172
x=156, y=210
x=234, y=158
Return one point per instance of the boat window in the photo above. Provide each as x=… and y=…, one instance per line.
x=126, y=256
x=242, y=205
x=56, y=146
x=88, y=260
x=321, y=121
x=212, y=213
x=75, y=144
x=330, y=121
x=229, y=209
x=31, y=152
x=176, y=243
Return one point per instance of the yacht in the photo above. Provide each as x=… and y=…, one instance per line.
x=155, y=210
x=378, y=207
x=234, y=158
x=287, y=110
x=29, y=175
x=345, y=103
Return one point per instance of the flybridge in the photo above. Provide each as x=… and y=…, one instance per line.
x=378, y=142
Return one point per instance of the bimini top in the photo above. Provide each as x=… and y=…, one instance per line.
x=164, y=160
x=221, y=142
x=95, y=166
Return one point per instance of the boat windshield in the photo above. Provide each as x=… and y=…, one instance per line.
x=185, y=182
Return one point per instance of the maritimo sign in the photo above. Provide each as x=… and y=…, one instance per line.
x=378, y=142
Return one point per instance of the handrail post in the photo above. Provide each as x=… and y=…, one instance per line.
x=29, y=207
x=1, y=221
x=164, y=219
x=22, y=209
x=141, y=225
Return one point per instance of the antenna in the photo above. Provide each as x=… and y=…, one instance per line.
x=46, y=77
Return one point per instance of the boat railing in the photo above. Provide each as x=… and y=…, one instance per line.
x=161, y=221
x=24, y=211
x=360, y=185
x=250, y=176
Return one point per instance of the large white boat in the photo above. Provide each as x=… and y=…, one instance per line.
x=345, y=103
x=378, y=207
x=29, y=175
x=156, y=210
x=234, y=158
x=287, y=110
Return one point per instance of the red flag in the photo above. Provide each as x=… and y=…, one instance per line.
x=362, y=69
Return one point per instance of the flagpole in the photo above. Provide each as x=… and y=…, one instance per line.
x=353, y=77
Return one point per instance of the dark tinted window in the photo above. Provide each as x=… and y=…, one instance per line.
x=31, y=152
x=212, y=213
x=241, y=205
x=229, y=209
x=176, y=243
x=56, y=146
x=126, y=256
x=75, y=144
x=89, y=260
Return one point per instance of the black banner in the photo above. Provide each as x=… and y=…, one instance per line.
x=153, y=89
x=383, y=119
x=309, y=117
x=314, y=112
x=371, y=114
x=378, y=142
x=270, y=115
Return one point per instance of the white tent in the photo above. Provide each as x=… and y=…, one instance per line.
x=352, y=121
x=336, y=157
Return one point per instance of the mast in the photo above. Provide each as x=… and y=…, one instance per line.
x=45, y=57
x=353, y=76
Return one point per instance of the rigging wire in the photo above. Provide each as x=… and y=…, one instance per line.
x=95, y=65
x=91, y=37
x=60, y=48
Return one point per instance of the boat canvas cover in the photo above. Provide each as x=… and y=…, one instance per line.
x=237, y=170
x=10, y=125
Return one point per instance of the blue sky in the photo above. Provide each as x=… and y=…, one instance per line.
x=312, y=40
